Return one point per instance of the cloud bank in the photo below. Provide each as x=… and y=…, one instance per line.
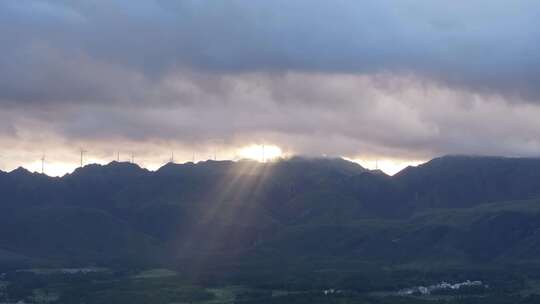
x=391, y=79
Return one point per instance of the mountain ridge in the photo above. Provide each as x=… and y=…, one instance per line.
x=246, y=208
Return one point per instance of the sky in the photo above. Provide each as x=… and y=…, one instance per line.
x=386, y=82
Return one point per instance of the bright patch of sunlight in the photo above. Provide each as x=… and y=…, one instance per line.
x=388, y=166
x=260, y=152
x=52, y=168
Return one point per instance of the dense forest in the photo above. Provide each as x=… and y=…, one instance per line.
x=299, y=230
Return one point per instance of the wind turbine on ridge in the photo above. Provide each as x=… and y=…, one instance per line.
x=43, y=163
x=82, y=156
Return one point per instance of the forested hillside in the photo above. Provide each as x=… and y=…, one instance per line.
x=311, y=223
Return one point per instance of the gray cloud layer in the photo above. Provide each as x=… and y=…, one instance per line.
x=398, y=78
x=488, y=45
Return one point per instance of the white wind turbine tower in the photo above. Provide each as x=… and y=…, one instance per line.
x=82, y=156
x=216, y=144
x=43, y=164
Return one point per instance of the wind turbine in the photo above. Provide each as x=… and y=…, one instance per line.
x=82, y=156
x=43, y=164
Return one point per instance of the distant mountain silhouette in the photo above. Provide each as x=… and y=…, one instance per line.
x=299, y=207
x=464, y=181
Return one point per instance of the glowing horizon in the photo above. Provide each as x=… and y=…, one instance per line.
x=58, y=168
x=260, y=153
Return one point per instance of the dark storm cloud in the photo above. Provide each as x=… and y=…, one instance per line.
x=401, y=79
x=482, y=45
